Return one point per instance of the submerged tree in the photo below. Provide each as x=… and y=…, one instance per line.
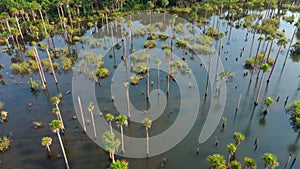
x=47, y=141
x=269, y=160
x=147, y=123
x=122, y=121
x=249, y=163
x=111, y=144
x=268, y=102
x=216, y=161
x=119, y=164
x=238, y=137
x=56, y=126
x=109, y=117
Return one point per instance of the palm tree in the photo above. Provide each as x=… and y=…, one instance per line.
x=249, y=163
x=268, y=39
x=217, y=161
x=265, y=68
x=165, y=3
x=221, y=35
x=269, y=160
x=268, y=102
x=235, y=165
x=5, y=16
x=147, y=123
x=288, y=51
x=109, y=117
x=270, y=49
x=119, y=164
x=47, y=141
x=110, y=144
x=91, y=109
x=150, y=5
x=122, y=121
x=158, y=62
x=256, y=56
x=232, y=149
x=238, y=137
x=56, y=125
x=55, y=100
x=281, y=42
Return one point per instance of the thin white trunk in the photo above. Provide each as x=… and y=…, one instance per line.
x=63, y=150
x=82, y=116
x=51, y=64
x=93, y=122
x=122, y=139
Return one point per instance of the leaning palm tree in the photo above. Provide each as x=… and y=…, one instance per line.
x=111, y=144
x=119, y=164
x=249, y=163
x=109, y=117
x=91, y=109
x=147, y=123
x=56, y=125
x=216, y=161
x=122, y=121
x=269, y=160
x=47, y=141
x=238, y=137
x=165, y=3
x=281, y=42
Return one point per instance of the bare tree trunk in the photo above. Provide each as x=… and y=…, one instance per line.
x=93, y=122
x=81, y=112
x=287, y=53
x=63, y=150
x=51, y=64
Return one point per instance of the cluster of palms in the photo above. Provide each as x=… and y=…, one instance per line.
x=218, y=161
x=57, y=126
x=112, y=144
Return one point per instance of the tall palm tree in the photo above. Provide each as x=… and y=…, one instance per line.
x=268, y=39
x=55, y=100
x=274, y=36
x=147, y=123
x=288, y=51
x=269, y=160
x=249, y=163
x=265, y=68
x=111, y=144
x=47, y=141
x=150, y=5
x=158, y=62
x=122, y=121
x=216, y=161
x=238, y=137
x=91, y=109
x=56, y=125
x=232, y=149
x=109, y=117
x=5, y=16
x=165, y=3
x=281, y=42
x=119, y=164
x=221, y=35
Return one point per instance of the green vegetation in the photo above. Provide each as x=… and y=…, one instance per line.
x=135, y=79
x=289, y=18
x=150, y=44
x=294, y=109
x=4, y=144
